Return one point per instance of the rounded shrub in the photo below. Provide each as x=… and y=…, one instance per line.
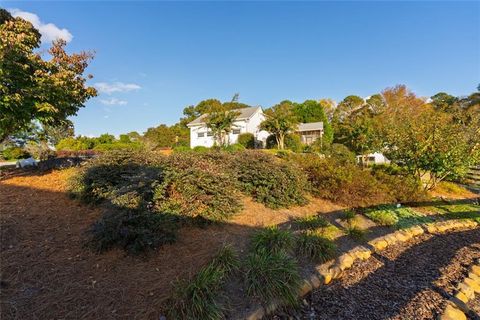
x=274, y=182
x=234, y=147
x=293, y=142
x=247, y=140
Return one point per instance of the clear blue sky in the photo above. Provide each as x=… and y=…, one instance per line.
x=163, y=56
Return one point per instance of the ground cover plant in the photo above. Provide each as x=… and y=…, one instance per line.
x=396, y=216
x=199, y=298
x=311, y=222
x=273, y=239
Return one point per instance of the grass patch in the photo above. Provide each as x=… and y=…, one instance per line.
x=272, y=239
x=272, y=275
x=311, y=222
x=198, y=298
x=313, y=245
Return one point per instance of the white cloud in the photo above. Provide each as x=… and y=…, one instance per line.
x=110, y=88
x=49, y=31
x=113, y=102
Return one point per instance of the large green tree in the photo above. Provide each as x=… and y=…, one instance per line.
x=220, y=120
x=34, y=89
x=313, y=111
x=280, y=120
x=431, y=143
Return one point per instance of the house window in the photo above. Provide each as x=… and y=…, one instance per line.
x=201, y=134
x=209, y=133
x=236, y=131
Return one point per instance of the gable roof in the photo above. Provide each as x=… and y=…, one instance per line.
x=245, y=113
x=312, y=126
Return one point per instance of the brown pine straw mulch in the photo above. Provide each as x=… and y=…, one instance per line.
x=47, y=273
x=407, y=281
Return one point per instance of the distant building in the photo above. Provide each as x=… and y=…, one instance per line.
x=372, y=158
x=248, y=121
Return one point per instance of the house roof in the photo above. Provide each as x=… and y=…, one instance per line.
x=245, y=113
x=312, y=126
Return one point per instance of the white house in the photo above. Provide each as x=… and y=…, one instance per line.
x=248, y=120
x=372, y=158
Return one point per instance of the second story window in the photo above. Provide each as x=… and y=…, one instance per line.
x=201, y=134
x=236, y=131
x=209, y=133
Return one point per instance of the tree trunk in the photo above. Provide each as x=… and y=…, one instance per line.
x=281, y=142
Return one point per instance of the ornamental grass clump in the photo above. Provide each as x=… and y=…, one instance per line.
x=274, y=182
x=313, y=245
x=199, y=298
x=272, y=275
x=272, y=239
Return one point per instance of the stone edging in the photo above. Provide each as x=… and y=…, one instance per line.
x=333, y=270
x=456, y=307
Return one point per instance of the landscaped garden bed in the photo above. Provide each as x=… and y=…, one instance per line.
x=191, y=235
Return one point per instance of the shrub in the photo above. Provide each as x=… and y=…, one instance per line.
x=399, y=186
x=181, y=149
x=293, y=142
x=197, y=186
x=313, y=245
x=272, y=239
x=400, y=217
x=271, y=181
x=133, y=231
x=234, y=147
x=201, y=149
x=339, y=153
x=247, y=140
x=272, y=275
x=14, y=153
x=311, y=222
x=198, y=298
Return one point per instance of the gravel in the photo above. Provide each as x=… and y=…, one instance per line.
x=406, y=281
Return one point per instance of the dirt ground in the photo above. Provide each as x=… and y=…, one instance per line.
x=47, y=273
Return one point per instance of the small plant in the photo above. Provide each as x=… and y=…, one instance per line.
x=272, y=275
x=198, y=298
x=133, y=231
x=348, y=215
x=313, y=245
x=272, y=239
x=311, y=222
x=356, y=233
x=384, y=216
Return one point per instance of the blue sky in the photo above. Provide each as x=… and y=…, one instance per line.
x=154, y=58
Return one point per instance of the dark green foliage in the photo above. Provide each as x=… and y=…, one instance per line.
x=313, y=245
x=273, y=182
x=198, y=298
x=311, y=223
x=272, y=275
x=272, y=239
x=132, y=230
x=348, y=215
x=247, y=140
x=14, y=153
x=234, y=147
x=293, y=142
x=196, y=186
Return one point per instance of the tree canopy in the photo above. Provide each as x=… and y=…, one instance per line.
x=280, y=120
x=34, y=89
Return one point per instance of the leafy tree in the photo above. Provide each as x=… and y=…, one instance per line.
x=32, y=88
x=357, y=131
x=376, y=103
x=444, y=101
x=160, y=137
x=347, y=106
x=54, y=133
x=313, y=111
x=432, y=144
x=220, y=120
x=280, y=120
x=328, y=106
